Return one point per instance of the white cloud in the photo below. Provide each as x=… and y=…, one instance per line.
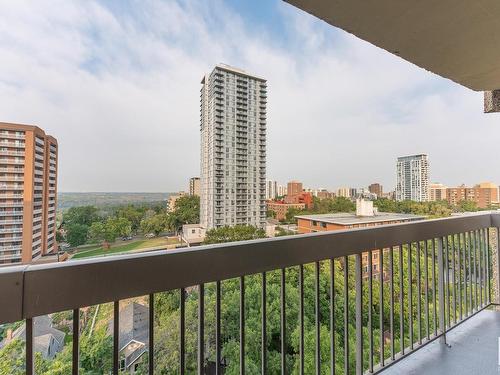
x=120, y=91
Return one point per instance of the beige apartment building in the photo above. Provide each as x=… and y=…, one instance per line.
x=194, y=186
x=438, y=192
x=28, y=193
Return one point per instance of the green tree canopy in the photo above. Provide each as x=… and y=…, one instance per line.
x=231, y=234
x=187, y=211
x=84, y=215
x=155, y=224
x=76, y=234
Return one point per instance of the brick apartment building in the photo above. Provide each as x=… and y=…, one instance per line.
x=485, y=195
x=376, y=189
x=296, y=198
x=280, y=208
x=28, y=193
x=365, y=216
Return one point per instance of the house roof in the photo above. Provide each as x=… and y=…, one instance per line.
x=43, y=333
x=134, y=324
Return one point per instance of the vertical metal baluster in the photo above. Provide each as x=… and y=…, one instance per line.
x=419, y=295
x=474, y=271
x=263, y=354
x=469, y=246
x=346, y=315
x=454, y=284
x=446, y=276
x=332, y=323
x=201, y=329
x=151, y=338
x=434, y=287
x=441, y=286
x=488, y=233
x=76, y=343
x=483, y=267
x=370, y=306
x=359, y=315
x=283, y=323
x=182, y=332
x=301, y=318
x=30, y=363
x=480, y=265
x=217, y=328
x=426, y=286
x=381, y=304
x=497, y=297
x=391, y=285
x=263, y=348
x=464, y=266
x=410, y=296
x=401, y=302
x=242, y=325
x=116, y=337
x=317, y=317
x=458, y=247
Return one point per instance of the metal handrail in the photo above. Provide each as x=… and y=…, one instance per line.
x=23, y=288
x=111, y=279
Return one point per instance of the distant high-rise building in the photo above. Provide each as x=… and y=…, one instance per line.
x=344, y=192
x=412, y=178
x=376, y=188
x=282, y=190
x=271, y=189
x=233, y=148
x=437, y=192
x=28, y=193
x=194, y=186
x=294, y=188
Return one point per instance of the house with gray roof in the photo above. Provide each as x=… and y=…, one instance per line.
x=134, y=335
x=47, y=340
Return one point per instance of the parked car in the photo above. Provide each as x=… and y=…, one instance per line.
x=150, y=235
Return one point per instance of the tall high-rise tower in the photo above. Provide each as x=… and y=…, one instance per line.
x=28, y=188
x=233, y=148
x=412, y=178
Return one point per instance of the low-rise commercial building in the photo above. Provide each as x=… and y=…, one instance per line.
x=365, y=216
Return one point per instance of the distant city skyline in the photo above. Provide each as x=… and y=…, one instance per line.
x=118, y=84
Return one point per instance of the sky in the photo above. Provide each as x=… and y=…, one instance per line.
x=117, y=83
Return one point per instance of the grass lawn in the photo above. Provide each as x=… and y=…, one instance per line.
x=121, y=248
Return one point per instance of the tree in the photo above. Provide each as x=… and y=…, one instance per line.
x=120, y=226
x=155, y=224
x=187, y=211
x=133, y=214
x=231, y=234
x=76, y=234
x=467, y=206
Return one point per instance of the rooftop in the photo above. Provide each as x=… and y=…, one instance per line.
x=351, y=218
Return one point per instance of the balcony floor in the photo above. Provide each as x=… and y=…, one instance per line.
x=474, y=350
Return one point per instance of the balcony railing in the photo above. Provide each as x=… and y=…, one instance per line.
x=430, y=276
